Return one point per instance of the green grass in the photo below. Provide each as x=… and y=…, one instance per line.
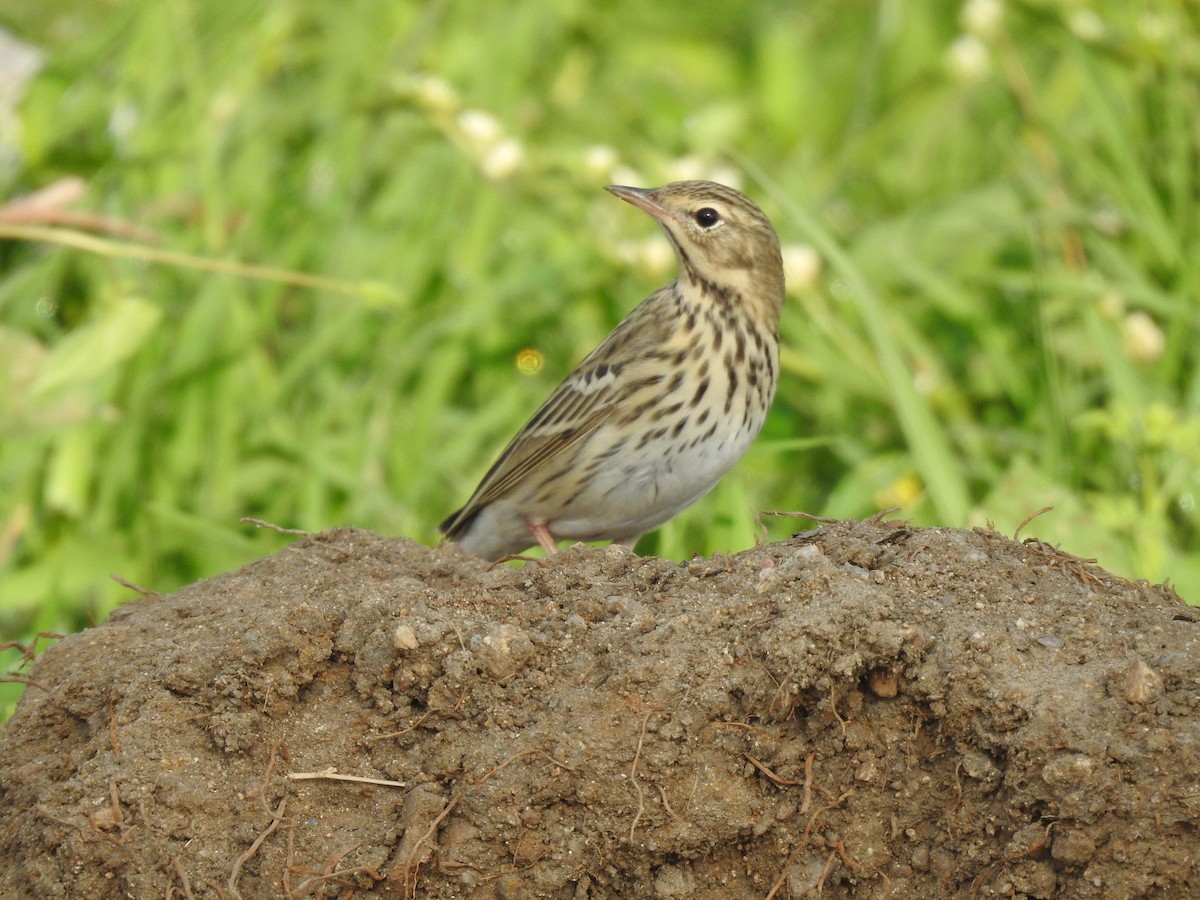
x=1006, y=315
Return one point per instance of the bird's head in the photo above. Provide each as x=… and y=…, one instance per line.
x=721, y=237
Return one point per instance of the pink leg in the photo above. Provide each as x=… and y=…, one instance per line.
x=542, y=535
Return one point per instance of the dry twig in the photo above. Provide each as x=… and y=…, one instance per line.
x=412, y=864
x=331, y=774
x=781, y=782
x=177, y=864
x=633, y=777
x=236, y=873
x=271, y=526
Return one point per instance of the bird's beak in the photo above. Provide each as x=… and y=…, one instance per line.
x=644, y=199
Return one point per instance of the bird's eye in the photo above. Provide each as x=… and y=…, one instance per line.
x=707, y=217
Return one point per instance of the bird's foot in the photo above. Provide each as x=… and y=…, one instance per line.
x=541, y=533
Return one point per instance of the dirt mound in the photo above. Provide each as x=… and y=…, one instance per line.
x=867, y=710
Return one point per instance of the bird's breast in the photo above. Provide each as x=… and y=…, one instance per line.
x=676, y=439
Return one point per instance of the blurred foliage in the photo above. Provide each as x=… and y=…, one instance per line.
x=989, y=211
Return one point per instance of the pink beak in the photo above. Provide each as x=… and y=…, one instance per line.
x=643, y=198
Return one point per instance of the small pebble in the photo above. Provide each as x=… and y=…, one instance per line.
x=883, y=684
x=1142, y=684
x=404, y=638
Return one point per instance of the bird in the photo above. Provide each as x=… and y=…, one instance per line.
x=650, y=420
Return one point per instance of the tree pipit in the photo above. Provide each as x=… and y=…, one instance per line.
x=653, y=417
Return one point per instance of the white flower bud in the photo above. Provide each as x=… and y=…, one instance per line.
x=968, y=58
x=1144, y=340
x=1086, y=25
x=981, y=17
x=435, y=93
x=686, y=168
x=503, y=159
x=801, y=267
x=481, y=129
x=599, y=160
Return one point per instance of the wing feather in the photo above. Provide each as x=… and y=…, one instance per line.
x=584, y=402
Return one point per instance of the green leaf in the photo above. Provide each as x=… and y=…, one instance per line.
x=97, y=348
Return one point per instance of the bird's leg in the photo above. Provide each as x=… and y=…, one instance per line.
x=542, y=535
x=629, y=542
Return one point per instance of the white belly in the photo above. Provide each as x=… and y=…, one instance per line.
x=641, y=491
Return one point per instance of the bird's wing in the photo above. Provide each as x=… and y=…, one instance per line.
x=576, y=409
x=581, y=404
